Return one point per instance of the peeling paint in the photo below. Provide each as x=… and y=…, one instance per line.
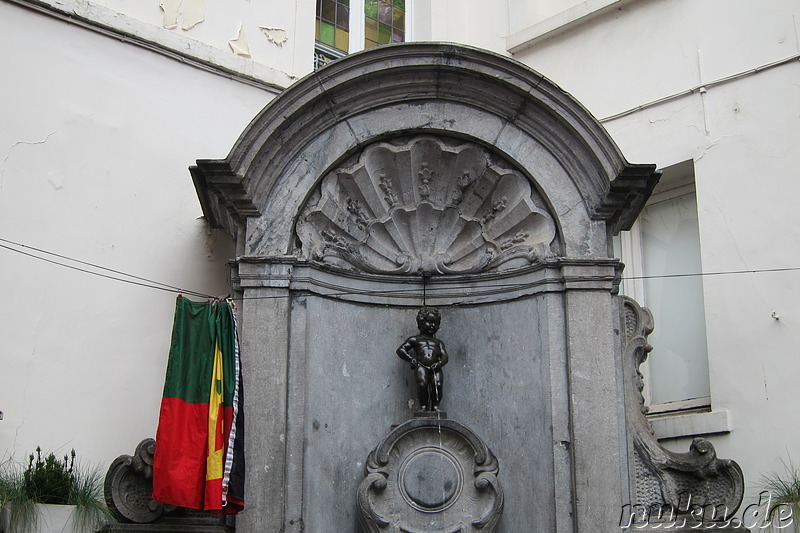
x=170, y=9
x=239, y=44
x=194, y=12
x=277, y=36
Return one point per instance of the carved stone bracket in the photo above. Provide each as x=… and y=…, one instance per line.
x=430, y=475
x=129, y=486
x=695, y=483
x=426, y=205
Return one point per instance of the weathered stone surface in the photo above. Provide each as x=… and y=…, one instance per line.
x=681, y=486
x=431, y=475
x=129, y=486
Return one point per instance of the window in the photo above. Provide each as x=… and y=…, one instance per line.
x=332, y=32
x=384, y=22
x=345, y=26
x=661, y=252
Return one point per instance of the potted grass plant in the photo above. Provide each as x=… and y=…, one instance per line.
x=51, y=495
x=783, y=508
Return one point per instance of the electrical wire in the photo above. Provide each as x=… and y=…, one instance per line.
x=705, y=274
x=149, y=283
x=134, y=280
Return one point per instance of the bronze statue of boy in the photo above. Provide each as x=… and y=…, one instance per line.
x=427, y=356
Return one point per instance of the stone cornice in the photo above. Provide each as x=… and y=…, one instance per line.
x=554, y=276
x=427, y=88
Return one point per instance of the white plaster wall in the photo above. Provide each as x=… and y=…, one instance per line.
x=95, y=142
x=271, y=41
x=743, y=136
x=472, y=22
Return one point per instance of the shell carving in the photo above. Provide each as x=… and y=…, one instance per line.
x=425, y=205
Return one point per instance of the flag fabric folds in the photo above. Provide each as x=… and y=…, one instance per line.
x=199, y=459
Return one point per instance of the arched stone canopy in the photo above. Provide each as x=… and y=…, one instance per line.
x=406, y=160
x=396, y=91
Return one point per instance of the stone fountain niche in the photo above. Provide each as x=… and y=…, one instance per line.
x=445, y=176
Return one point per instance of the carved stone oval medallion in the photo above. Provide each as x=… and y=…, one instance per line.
x=430, y=475
x=430, y=479
x=426, y=204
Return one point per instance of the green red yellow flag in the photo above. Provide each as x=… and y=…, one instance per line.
x=199, y=460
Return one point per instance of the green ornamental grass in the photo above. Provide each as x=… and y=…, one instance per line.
x=50, y=480
x=784, y=490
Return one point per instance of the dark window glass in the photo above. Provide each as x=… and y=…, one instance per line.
x=343, y=17
x=385, y=11
x=328, y=10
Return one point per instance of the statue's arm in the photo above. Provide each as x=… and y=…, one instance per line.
x=406, y=350
x=443, y=358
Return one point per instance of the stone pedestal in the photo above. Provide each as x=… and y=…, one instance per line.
x=432, y=475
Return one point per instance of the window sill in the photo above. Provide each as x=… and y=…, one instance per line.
x=682, y=424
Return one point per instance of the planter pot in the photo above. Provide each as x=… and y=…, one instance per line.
x=49, y=519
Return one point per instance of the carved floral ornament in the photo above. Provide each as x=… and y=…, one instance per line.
x=425, y=205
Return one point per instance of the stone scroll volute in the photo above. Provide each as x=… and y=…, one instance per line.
x=425, y=204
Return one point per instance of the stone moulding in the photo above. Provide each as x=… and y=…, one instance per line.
x=552, y=275
x=432, y=476
x=435, y=89
x=693, y=484
x=425, y=205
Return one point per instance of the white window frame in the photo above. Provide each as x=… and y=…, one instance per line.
x=631, y=251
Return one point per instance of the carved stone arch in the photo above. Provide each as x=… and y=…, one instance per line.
x=419, y=88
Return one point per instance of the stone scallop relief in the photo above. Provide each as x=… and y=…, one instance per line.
x=425, y=205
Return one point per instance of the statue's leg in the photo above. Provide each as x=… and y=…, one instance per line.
x=423, y=392
x=437, y=382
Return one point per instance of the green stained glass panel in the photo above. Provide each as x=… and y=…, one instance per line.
x=371, y=9
x=384, y=33
x=326, y=33
x=400, y=4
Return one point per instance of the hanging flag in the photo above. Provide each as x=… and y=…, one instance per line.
x=199, y=460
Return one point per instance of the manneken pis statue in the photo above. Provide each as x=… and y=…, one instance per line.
x=427, y=356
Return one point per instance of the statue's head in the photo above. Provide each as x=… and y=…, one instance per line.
x=428, y=320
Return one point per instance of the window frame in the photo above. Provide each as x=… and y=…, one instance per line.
x=678, y=180
x=357, y=33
